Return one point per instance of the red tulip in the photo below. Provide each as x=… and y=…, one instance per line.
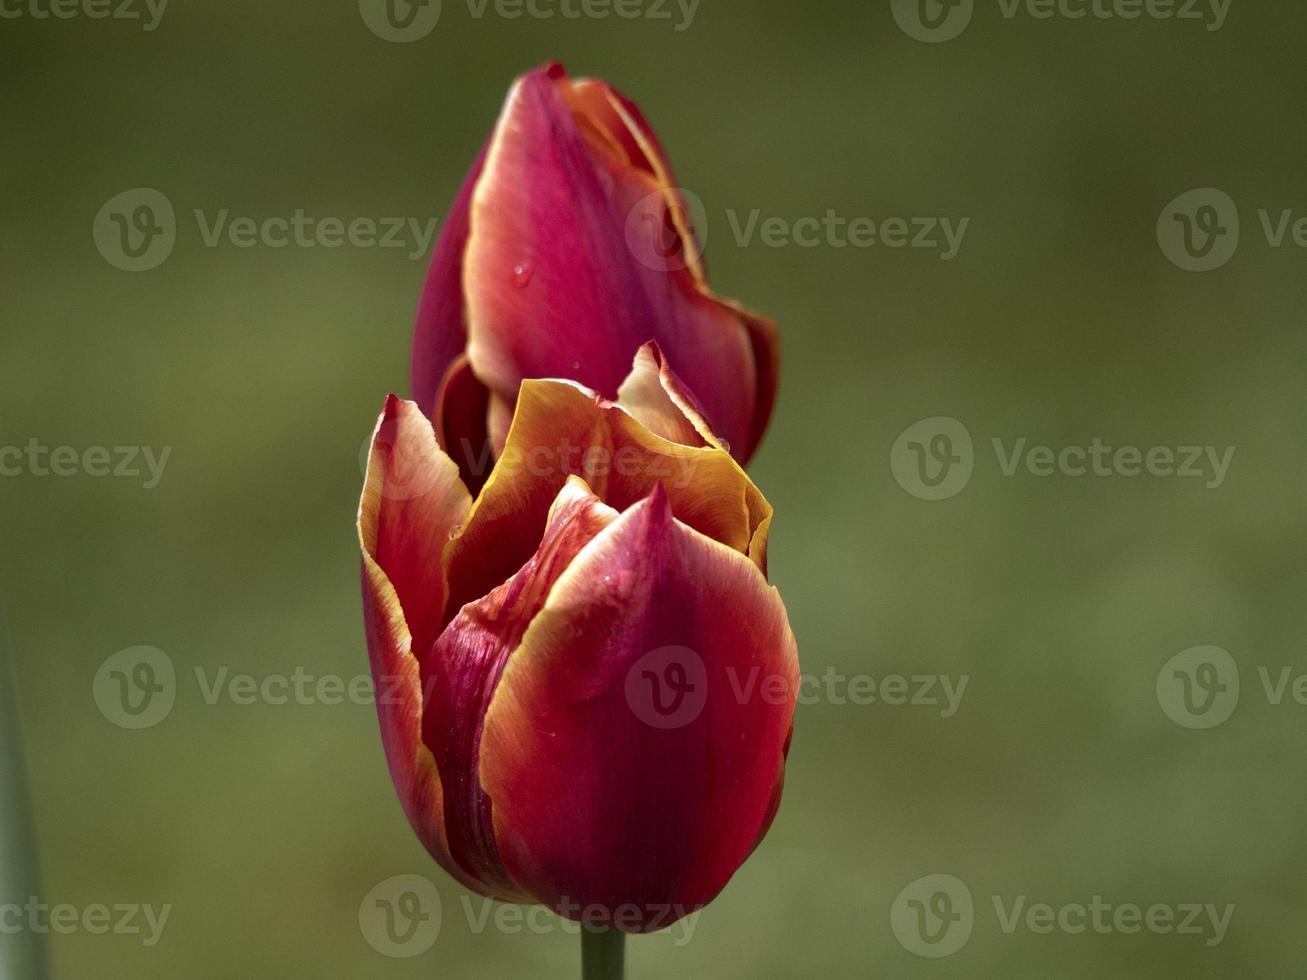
x=568, y=248
x=585, y=684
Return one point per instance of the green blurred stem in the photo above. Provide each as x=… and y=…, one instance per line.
x=603, y=954
x=20, y=953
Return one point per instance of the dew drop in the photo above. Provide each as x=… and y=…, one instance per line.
x=522, y=273
x=455, y=531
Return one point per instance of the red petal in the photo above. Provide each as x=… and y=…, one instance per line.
x=460, y=417
x=441, y=331
x=560, y=430
x=609, y=794
x=463, y=668
x=411, y=500
x=663, y=405
x=554, y=285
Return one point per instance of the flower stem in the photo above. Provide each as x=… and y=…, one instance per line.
x=20, y=955
x=603, y=954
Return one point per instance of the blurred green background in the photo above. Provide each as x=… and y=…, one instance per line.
x=1060, y=320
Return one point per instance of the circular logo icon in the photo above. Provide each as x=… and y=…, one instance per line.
x=136, y=687
x=1199, y=230
x=400, y=21
x=933, y=459
x=136, y=230
x=668, y=687
x=933, y=916
x=933, y=21
x=668, y=230
x=400, y=917
x=410, y=473
x=1199, y=687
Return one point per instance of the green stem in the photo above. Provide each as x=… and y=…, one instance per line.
x=603, y=954
x=21, y=956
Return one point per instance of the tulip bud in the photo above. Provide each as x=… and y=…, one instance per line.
x=584, y=682
x=567, y=249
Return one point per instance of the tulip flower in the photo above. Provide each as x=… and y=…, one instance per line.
x=585, y=684
x=569, y=247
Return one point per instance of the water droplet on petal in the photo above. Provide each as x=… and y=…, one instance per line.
x=455, y=531
x=522, y=273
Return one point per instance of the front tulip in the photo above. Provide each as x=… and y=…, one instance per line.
x=585, y=684
x=567, y=249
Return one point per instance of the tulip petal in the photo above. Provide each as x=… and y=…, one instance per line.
x=639, y=808
x=412, y=500
x=465, y=664
x=411, y=497
x=441, y=331
x=664, y=406
x=561, y=429
x=554, y=286
x=460, y=419
x=766, y=341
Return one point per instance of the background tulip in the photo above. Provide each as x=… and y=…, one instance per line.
x=568, y=247
x=585, y=683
